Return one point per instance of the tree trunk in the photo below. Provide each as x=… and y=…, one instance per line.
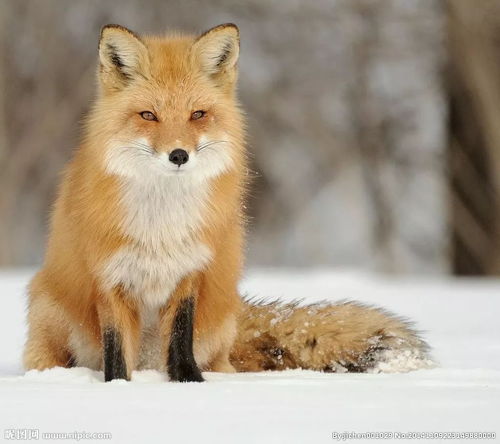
x=474, y=135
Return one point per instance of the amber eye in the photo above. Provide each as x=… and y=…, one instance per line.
x=198, y=115
x=148, y=115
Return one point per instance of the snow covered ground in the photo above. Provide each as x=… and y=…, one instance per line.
x=459, y=318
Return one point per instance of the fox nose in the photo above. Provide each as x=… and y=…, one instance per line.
x=178, y=156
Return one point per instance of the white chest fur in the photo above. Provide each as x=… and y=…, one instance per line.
x=162, y=217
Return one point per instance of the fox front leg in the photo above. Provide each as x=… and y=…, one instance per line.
x=114, y=361
x=120, y=330
x=181, y=364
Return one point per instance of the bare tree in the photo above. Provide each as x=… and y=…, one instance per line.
x=474, y=131
x=344, y=103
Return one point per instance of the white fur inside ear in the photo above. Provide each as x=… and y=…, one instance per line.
x=218, y=50
x=122, y=51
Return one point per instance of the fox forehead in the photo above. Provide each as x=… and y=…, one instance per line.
x=167, y=99
x=172, y=65
x=175, y=80
x=170, y=56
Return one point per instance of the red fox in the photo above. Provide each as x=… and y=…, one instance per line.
x=147, y=234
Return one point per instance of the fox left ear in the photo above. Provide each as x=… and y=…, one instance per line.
x=122, y=56
x=217, y=51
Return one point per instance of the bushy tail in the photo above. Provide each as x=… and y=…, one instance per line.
x=339, y=337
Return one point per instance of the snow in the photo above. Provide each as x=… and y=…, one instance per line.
x=458, y=317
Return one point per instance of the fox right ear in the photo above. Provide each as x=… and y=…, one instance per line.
x=122, y=57
x=216, y=52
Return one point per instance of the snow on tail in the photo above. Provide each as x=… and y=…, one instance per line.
x=339, y=337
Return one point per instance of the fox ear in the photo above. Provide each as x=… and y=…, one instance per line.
x=122, y=57
x=217, y=51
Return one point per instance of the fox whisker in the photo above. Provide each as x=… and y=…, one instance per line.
x=136, y=144
x=150, y=150
x=207, y=144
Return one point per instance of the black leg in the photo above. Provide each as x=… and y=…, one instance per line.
x=114, y=362
x=181, y=364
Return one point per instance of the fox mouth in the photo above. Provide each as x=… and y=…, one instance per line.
x=138, y=159
x=178, y=171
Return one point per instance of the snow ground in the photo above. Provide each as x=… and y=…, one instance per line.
x=459, y=319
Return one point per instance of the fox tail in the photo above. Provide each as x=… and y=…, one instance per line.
x=339, y=337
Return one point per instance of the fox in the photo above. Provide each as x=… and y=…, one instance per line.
x=147, y=235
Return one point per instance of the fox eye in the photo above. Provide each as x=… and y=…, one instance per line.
x=148, y=115
x=198, y=115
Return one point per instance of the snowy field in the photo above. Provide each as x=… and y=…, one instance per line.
x=459, y=319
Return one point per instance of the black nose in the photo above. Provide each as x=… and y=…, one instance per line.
x=178, y=156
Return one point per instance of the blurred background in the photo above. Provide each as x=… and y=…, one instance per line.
x=372, y=124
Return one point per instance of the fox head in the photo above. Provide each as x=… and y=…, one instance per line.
x=166, y=106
